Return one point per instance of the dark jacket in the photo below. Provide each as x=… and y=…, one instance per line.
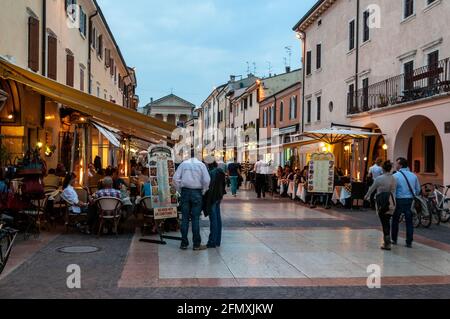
x=216, y=190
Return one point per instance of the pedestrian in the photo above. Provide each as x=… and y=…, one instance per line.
x=260, y=176
x=407, y=188
x=192, y=180
x=376, y=170
x=385, y=187
x=213, y=200
x=234, y=172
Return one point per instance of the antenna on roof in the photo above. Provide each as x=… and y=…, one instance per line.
x=248, y=67
x=254, y=68
x=269, y=67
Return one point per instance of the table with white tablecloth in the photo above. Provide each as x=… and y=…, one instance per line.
x=340, y=194
x=301, y=192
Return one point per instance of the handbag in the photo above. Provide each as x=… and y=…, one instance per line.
x=383, y=203
x=419, y=205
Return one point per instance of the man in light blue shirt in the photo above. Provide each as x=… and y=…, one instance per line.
x=192, y=180
x=408, y=187
x=376, y=170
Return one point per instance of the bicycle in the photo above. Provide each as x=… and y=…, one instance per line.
x=441, y=202
x=7, y=238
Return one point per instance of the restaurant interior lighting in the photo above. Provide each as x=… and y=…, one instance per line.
x=385, y=147
x=10, y=116
x=39, y=145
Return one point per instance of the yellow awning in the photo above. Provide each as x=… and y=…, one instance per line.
x=125, y=120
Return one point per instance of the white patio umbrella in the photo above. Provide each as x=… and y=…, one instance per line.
x=335, y=135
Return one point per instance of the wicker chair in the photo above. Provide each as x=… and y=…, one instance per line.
x=146, y=208
x=72, y=219
x=109, y=210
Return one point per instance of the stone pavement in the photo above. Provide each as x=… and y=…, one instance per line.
x=272, y=248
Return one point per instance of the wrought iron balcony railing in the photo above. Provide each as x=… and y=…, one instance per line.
x=418, y=84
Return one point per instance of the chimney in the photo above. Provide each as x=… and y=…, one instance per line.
x=288, y=69
x=151, y=100
x=232, y=78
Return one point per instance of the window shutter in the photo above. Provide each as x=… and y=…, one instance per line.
x=70, y=70
x=81, y=79
x=112, y=67
x=52, y=58
x=33, y=44
x=100, y=46
x=107, y=58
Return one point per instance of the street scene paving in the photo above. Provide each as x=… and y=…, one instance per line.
x=299, y=253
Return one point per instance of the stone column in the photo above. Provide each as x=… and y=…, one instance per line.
x=165, y=117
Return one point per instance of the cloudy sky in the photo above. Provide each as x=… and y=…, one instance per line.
x=190, y=46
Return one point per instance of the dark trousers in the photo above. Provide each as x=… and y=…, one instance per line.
x=260, y=185
x=386, y=224
x=403, y=207
x=215, y=220
x=191, y=207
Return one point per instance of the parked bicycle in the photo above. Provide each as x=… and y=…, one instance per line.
x=440, y=202
x=7, y=238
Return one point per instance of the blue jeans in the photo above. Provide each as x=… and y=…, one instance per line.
x=191, y=207
x=215, y=220
x=403, y=207
x=234, y=184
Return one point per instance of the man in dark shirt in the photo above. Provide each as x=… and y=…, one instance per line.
x=234, y=173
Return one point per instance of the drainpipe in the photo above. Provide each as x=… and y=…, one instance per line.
x=89, y=51
x=303, y=37
x=44, y=56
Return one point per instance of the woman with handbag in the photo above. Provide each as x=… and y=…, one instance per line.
x=385, y=186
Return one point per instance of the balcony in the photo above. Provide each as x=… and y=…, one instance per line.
x=425, y=82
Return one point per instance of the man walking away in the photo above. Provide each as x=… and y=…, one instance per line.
x=192, y=180
x=234, y=172
x=260, y=170
x=213, y=201
x=407, y=188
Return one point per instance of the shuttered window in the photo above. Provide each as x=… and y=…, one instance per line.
x=112, y=67
x=107, y=58
x=308, y=62
x=52, y=58
x=33, y=44
x=83, y=22
x=81, y=79
x=70, y=61
x=100, y=46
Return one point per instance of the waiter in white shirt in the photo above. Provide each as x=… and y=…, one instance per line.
x=260, y=182
x=192, y=180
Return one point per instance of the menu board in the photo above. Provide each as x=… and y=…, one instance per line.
x=161, y=166
x=321, y=173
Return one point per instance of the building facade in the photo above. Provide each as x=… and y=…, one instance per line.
x=171, y=109
x=382, y=65
x=68, y=42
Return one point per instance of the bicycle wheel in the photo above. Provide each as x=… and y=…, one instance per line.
x=426, y=220
x=416, y=220
x=445, y=212
x=435, y=213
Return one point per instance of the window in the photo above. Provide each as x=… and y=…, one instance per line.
x=250, y=100
x=366, y=29
x=308, y=111
x=265, y=118
x=70, y=62
x=52, y=57
x=319, y=56
x=107, y=58
x=93, y=36
x=365, y=97
x=81, y=79
x=308, y=62
x=83, y=22
x=100, y=46
x=409, y=75
x=293, y=108
x=33, y=44
x=281, y=111
x=408, y=8
x=430, y=154
x=272, y=115
x=351, y=35
x=351, y=97
x=430, y=2
x=319, y=108
x=433, y=64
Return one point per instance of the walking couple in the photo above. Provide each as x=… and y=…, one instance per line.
x=395, y=197
x=200, y=190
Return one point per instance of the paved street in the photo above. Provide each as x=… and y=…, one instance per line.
x=272, y=248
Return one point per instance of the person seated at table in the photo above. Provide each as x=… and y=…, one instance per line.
x=3, y=185
x=77, y=207
x=117, y=180
x=284, y=186
x=304, y=174
x=51, y=180
x=107, y=190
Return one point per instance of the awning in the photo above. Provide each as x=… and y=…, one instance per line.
x=299, y=143
x=121, y=118
x=107, y=132
x=334, y=135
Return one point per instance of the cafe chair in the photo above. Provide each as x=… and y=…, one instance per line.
x=358, y=194
x=71, y=219
x=109, y=211
x=146, y=208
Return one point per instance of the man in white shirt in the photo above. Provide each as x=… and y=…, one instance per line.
x=192, y=180
x=376, y=170
x=260, y=182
